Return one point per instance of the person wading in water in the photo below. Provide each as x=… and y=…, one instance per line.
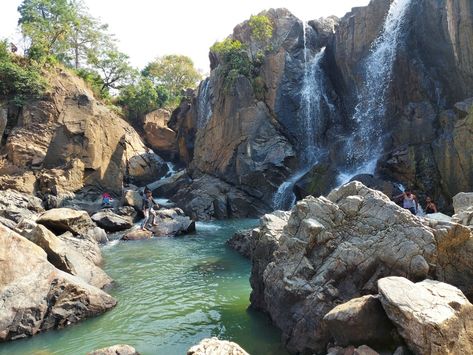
x=409, y=201
x=148, y=209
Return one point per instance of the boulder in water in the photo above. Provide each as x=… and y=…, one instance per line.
x=112, y=222
x=241, y=242
x=214, y=346
x=432, y=317
x=121, y=349
x=172, y=222
x=36, y=296
x=137, y=234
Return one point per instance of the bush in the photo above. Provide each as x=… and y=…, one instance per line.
x=261, y=27
x=94, y=81
x=235, y=60
x=19, y=81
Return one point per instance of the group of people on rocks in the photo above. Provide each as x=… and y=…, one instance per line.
x=410, y=202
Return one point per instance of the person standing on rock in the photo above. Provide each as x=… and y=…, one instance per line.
x=148, y=209
x=409, y=201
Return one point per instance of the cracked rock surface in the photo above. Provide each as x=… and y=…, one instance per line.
x=433, y=317
x=335, y=248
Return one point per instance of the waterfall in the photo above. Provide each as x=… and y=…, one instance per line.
x=365, y=146
x=312, y=96
x=204, y=104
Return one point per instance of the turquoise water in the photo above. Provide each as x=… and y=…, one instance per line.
x=171, y=292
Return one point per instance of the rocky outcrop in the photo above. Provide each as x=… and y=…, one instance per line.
x=73, y=140
x=462, y=201
x=17, y=206
x=68, y=259
x=361, y=321
x=432, y=317
x=214, y=346
x=121, y=349
x=36, y=296
x=205, y=197
x=320, y=258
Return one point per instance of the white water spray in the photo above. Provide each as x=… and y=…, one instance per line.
x=365, y=146
x=204, y=104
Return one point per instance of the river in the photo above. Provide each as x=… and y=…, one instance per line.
x=171, y=292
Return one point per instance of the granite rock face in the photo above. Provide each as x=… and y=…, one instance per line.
x=36, y=296
x=319, y=258
x=432, y=317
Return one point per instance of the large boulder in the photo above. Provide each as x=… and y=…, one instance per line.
x=320, y=259
x=61, y=220
x=111, y=221
x=157, y=133
x=172, y=222
x=121, y=349
x=214, y=346
x=68, y=259
x=36, y=296
x=17, y=206
x=433, y=317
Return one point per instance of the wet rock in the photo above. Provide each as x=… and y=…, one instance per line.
x=172, y=222
x=61, y=220
x=241, y=242
x=112, y=222
x=432, y=317
x=137, y=234
x=214, y=346
x=120, y=349
x=361, y=321
x=68, y=259
x=319, y=260
x=36, y=296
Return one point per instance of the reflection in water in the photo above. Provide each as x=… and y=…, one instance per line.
x=172, y=293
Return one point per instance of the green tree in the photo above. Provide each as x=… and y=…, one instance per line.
x=142, y=97
x=113, y=66
x=175, y=73
x=261, y=27
x=48, y=24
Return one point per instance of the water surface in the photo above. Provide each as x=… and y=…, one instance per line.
x=171, y=292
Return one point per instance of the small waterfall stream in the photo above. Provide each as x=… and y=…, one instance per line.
x=204, y=104
x=312, y=96
x=365, y=146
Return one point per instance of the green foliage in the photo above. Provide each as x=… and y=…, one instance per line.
x=19, y=81
x=141, y=98
x=94, y=81
x=174, y=73
x=261, y=27
x=234, y=59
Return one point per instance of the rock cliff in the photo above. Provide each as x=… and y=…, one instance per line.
x=292, y=114
x=68, y=140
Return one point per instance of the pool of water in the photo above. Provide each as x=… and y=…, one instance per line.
x=171, y=292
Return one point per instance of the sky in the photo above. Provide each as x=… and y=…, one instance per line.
x=150, y=28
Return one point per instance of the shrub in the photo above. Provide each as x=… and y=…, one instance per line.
x=19, y=80
x=261, y=27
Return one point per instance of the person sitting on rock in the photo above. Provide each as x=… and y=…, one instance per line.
x=148, y=209
x=430, y=206
x=409, y=201
x=106, y=200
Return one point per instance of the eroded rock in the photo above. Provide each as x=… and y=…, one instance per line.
x=62, y=220
x=111, y=221
x=120, y=349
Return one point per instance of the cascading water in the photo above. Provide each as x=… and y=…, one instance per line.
x=365, y=146
x=204, y=104
x=312, y=97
